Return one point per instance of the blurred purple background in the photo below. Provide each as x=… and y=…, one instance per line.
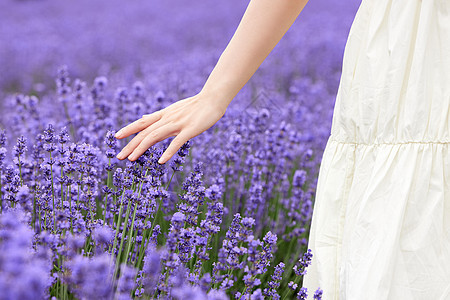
x=136, y=37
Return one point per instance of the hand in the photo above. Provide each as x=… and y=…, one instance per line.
x=184, y=119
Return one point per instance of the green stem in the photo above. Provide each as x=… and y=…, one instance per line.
x=171, y=177
x=45, y=219
x=288, y=291
x=130, y=232
x=203, y=268
x=80, y=186
x=108, y=184
x=78, y=196
x=62, y=188
x=53, y=196
x=72, y=129
x=146, y=234
x=156, y=216
x=69, y=191
x=122, y=239
x=33, y=219
x=145, y=238
x=229, y=270
x=89, y=201
x=289, y=270
x=119, y=219
x=20, y=170
x=87, y=244
x=130, y=235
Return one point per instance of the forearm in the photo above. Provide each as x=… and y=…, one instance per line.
x=263, y=25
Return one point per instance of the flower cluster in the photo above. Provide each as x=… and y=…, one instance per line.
x=122, y=229
x=131, y=230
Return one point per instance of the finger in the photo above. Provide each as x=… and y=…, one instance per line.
x=129, y=148
x=138, y=125
x=152, y=138
x=174, y=146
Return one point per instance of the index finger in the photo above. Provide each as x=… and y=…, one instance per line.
x=138, y=125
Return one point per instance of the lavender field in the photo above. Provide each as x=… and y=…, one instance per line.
x=227, y=218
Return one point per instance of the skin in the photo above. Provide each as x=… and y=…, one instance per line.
x=263, y=25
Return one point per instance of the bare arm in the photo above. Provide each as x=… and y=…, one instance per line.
x=263, y=25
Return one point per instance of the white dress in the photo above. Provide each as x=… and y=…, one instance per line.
x=381, y=222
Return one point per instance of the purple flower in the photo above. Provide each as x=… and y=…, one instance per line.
x=110, y=140
x=24, y=197
x=91, y=278
x=49, y=134
x=63, y=137
x=21, y=146
x=74, y=243
x=318, y=294
x=228, y=256
x=103, y=234
x=257, y=295
x=187, y=291
x=304, y=262
x=214, y=192
x=274, y=284
x=151, y=269
x=178, y=161
x=2, y=155
x=24, y=273
x=126, y=282
x=2, y=138
x=299, y=178
x=62, y=83
x=302, y=294
x=217, y=295
x=177, y=220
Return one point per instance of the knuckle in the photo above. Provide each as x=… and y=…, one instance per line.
x=173, y=128
x=154, y=134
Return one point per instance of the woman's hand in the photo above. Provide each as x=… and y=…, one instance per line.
x=184, y=119
x=262, y=26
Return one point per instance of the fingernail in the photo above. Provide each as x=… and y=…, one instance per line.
x=118, y=134
x=119, y=156
x=161, y=159
x=131, y=157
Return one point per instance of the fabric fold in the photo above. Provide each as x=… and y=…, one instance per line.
x=396, y=210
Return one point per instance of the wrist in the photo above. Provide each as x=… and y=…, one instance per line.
x=220, y=98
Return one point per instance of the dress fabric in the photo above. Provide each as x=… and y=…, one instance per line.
x=381, y=221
